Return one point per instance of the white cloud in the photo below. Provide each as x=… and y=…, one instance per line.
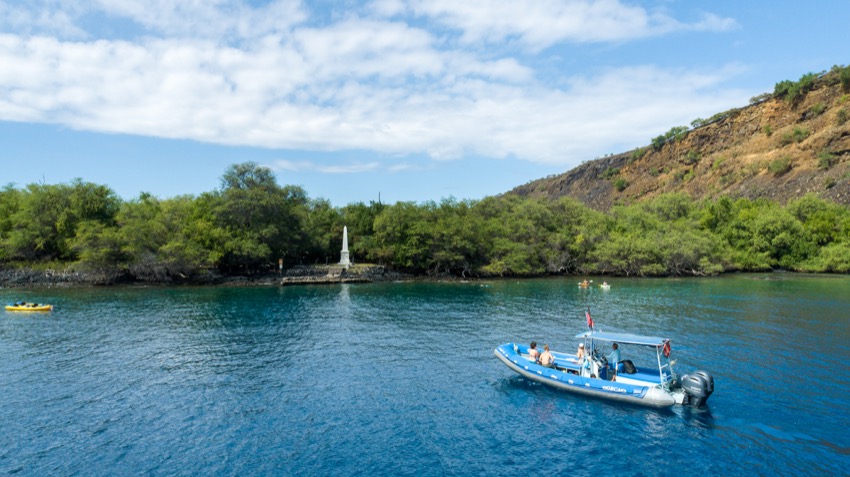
x=383, y=85
x=540, y=24
x=213, y=19
x=298, y=166
x=208, y=18
x=32, y=17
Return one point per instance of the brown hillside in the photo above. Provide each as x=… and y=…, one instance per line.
x=776, y=149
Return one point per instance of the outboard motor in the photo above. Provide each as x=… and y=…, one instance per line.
x=698, y=387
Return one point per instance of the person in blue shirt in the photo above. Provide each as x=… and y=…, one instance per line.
x=614, y=357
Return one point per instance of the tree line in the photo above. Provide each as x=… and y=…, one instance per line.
x=251, y=221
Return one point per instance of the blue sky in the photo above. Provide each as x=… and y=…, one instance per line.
x=413, y=100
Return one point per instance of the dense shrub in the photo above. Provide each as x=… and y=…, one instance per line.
x=610, y=172
x=780, y=166
x=620, y=184
x=692, y=157
x=638, y=153
x=841, y=117
x=658, y=142
x=844, y=75
x=794, y=91
x=826, y=159
x=760, y=98
x=676, y=133
x=797, y=135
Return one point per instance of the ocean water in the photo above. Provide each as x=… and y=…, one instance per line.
x=400, y=379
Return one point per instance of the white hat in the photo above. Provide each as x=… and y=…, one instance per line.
x=581, y=345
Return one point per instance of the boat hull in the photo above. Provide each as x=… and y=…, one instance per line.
x=652, y=396
x=29, y=308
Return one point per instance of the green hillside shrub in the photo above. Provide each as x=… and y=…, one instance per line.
x=620, y=184
x=826, y=159
x=844, y=75
x=797, y=135
x=780, y=166
x=692, y=157
x=793, y=91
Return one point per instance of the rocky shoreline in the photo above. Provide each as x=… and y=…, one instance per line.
x=297, y=275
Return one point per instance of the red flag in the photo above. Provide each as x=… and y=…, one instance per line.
x=589, y=319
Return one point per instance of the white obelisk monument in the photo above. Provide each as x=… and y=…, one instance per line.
x=343, y=259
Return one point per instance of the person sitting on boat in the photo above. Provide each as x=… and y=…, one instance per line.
x=546, y=359
x=614, y=357
x=580, y=353
x=533, y=353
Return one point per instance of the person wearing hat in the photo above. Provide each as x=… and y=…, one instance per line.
x=580, y=353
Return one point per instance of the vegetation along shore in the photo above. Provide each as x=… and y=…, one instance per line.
x=658, y=211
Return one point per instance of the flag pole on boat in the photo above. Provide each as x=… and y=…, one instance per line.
x=589, y=325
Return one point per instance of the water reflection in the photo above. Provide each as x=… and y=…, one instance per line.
x=699, y=417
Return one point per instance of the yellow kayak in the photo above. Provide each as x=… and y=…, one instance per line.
x=30, y=307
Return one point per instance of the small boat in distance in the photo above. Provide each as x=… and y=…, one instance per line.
x=24, y=306
x=654, y=385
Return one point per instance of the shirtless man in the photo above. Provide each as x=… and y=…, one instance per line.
x=546, y=359
x=580, y=353
x=533, y=353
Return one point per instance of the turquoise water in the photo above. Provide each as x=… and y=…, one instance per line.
x=400, y=379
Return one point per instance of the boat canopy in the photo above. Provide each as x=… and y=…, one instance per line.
x=625, y=338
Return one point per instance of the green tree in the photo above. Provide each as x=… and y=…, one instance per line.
x=260, y=219
x=323, y=230
x=98, y=247
x=834, y=258
x=520, y=233
x=764, y=236
x=165, y=240
x=360, y=220
x=457, y=247
x=45, y=223
x=10, y=202
x=403, y=236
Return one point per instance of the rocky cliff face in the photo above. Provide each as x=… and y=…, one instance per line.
x=777, y=149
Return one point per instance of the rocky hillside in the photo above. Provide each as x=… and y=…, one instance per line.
x=784, y=145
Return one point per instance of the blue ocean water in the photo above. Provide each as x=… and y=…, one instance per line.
x=400, y=379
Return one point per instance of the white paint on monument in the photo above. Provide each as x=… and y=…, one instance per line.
x=343, y=259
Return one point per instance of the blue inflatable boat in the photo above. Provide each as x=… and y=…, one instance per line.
x=653, y=385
